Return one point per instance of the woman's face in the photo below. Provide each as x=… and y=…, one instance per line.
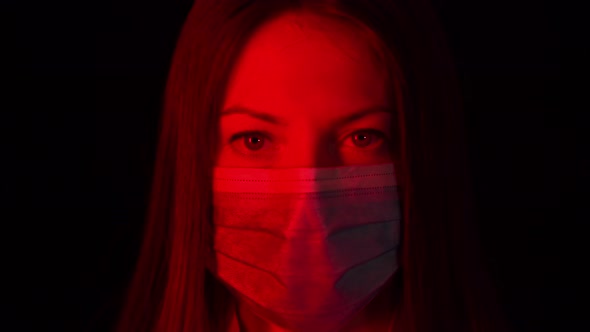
x=305, y=92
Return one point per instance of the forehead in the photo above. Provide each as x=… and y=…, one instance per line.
x=301, y=34
x=308, y=59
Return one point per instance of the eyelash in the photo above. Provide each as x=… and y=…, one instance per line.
x=380, y=135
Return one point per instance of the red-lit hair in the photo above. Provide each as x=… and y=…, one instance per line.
x=441, y=284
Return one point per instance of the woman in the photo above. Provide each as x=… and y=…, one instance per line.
x=258, y=220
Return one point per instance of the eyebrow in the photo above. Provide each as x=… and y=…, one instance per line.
x=281, y=122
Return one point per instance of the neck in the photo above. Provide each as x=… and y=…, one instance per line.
x=375, y=317
x=250, y=322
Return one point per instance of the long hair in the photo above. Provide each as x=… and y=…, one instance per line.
x=441, y=284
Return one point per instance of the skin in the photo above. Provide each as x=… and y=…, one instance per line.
x=311, y=72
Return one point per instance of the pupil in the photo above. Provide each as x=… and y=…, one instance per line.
x=253, y=142
x=362, y=139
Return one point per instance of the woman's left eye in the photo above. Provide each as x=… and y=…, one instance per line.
x=366, y=137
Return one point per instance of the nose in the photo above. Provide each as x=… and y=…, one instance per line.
x=310, y=149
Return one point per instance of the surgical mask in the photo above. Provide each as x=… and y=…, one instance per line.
x=305, y=248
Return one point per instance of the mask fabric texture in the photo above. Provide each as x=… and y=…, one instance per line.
x=305, y=248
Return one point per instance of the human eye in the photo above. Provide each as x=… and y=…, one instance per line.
x=366, y=139
x=251, y=142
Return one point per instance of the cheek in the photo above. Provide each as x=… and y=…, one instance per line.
x=225, y=159
x=380, y=155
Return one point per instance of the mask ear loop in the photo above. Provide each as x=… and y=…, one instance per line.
x=391, y=323
x=239, y=318
x=398, y=277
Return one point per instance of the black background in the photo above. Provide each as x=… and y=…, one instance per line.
x=79, y=116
